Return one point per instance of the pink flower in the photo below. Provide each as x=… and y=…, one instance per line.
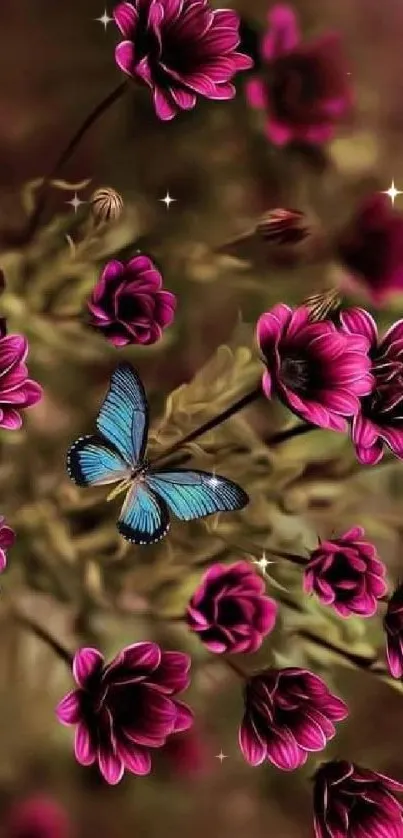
x=229, y=610
x=7, y=539
x=304, y=90
x=128, y=303
x=316, y=370
x=393, y=625
x=180, y=49
x=380, y=420
x=17, y=391
x=37, y=817
x=123, y=709
x=353, y=802
x=371, y=248
x=347, y=574
x=288, y=714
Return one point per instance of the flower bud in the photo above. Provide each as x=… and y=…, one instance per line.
x=283, y=226
x=106, y=204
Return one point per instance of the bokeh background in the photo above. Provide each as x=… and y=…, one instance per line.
x=69, y=570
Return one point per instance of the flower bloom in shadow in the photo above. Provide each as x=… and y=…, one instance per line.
x=288, y=714
x=38, y=816
x=304, y=88
x=180, y=49
x=354, y=802
x=124, y=709
x=128, y=304
x=188, y=755
x=229, y=610
x=371, y=248
x=347, y=574
x=316, y=370
x=7, y=539
x=17, y=391
x=380, y=420
x=393, y=625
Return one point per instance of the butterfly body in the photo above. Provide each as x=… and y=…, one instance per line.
x=116, y=455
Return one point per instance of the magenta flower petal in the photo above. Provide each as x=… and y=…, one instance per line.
x=180, y=49
x=346, y=574
x=17, y=391
x=229, y=610
x=288, y=713
x=68, y=710
x=87, y=663
x=352, y=801
x=126, y=17
x=37, y=816
x=393, y=625
x=305, y=86
x=312, y=367
x=84, y=749
x=127, y=304
x=125, y=708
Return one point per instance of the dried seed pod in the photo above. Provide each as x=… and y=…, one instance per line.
x=106, y=204
x=283, y=226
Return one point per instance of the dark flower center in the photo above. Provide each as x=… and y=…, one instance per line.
x=294, y=86
x=296, y=374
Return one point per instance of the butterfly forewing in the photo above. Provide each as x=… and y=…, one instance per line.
x=123, y=418
x=91, y=462
x=195, y=494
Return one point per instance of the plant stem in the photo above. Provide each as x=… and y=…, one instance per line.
x=235, y=668
x=212, y=423
x=290, y=433
x=360, y=661
x=70, y=148
x=42, y=633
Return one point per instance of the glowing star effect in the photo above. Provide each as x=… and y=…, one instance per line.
x=105, y=20
x=75, y=202
x=167, y=200
x=263, y=563
x=221, y=757
x=392, y=192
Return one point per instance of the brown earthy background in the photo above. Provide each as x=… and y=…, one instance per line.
x=69, y=570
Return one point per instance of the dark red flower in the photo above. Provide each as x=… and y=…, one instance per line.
x=229, y=610
x=7, y=539
x=37, y=817
x=288, y=714
x=380, y=419
x=371, y=248
x=123, y=709
x=354, y=802
x=304, y=88
x=180, y=49
x=17, y=391
x=188, y=754
x=317, y=371
x=128, y=304
x=347, y=574
x=393, y=625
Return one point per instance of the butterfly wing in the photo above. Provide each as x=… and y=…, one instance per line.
x=123, y=418
x=91, y=462
x=195, y=494
x=144, y=518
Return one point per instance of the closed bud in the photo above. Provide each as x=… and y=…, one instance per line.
x=106, y=204
x=283, y=226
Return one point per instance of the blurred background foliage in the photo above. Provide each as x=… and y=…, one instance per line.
x=69, y=569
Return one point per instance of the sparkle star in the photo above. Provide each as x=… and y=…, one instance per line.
x=75, y=202
x=105, y=19
x=392, y=192
x=214, y=481
x=262, y=563
x=221, y=757
x=167, y=200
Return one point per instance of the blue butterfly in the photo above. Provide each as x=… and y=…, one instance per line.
x=117, y=455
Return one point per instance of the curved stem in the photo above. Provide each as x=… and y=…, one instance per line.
x=67, y=152
x=44, y=635
x=235, y=668
x=361, y=661
x=212, y=423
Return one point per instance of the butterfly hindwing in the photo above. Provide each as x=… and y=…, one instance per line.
x=144, y=518
x=91, y=462
x=123, y=418
x=195, y=494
